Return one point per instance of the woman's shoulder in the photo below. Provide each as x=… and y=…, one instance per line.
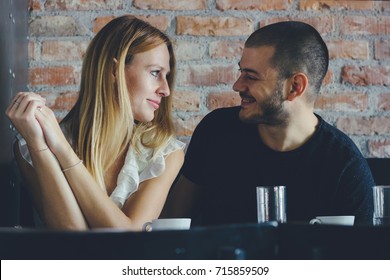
x=173, y=144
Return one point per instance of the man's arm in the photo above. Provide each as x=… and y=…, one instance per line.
x=183, y=200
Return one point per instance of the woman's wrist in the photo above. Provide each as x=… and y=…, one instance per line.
x=67, y=157
x=37, y=150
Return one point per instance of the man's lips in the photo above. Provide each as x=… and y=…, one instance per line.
x=247, y=99
x=155, y=104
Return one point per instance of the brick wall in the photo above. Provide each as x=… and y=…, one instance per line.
x=209, y=36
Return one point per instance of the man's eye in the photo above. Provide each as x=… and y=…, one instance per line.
x=246, y=75
x=249, y=77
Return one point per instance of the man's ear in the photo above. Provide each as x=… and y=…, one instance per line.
x=114, y=68
x=297, y=85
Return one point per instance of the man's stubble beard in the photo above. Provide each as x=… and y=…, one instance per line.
x=272, y=111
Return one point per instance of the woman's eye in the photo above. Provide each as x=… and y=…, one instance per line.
x=155, y=73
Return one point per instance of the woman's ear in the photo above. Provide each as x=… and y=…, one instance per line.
x=298, y=85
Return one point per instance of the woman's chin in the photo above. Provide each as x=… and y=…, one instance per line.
x=143, y=119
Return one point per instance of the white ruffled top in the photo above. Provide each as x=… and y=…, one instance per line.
x=141, y=168
x=135, y=170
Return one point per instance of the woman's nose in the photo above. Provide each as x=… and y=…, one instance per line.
x=164, y=90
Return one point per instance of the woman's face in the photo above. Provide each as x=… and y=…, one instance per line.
x=146, y=80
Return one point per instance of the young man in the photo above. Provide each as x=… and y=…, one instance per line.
x=274, y=138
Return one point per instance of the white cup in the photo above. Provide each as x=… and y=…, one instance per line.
x=167, y=224
x=334, y=220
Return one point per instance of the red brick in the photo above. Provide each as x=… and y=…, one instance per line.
x=185, y=50
x=186, y=101
x=160, y=22
x=31, y=51
x=53, y=76
x=206, y=75
x=366, y=75
x=319, y=5
x=323, y=24
x=379, y=148
x=63, y=50
x=185, y=127
x=328, y=79
x=364, y=126
x=382, y=49
x=56, y=26
x=100, y=22
x=364, y=25
x=345, y=101
x=383, y=102
x=224, y=5
x=226, y=49
x=348, y=49
x=213, y=26
x=63, y=101
x=170, y=4
x=83, y=5
x=383, y=6
x=34, y=5
x=222, y=99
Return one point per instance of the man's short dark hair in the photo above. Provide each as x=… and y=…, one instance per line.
x=298, y=48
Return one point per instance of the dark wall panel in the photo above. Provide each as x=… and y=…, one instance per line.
x=13, y=78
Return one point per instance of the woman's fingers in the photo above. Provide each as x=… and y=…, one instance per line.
x=22, y=113
x=20, y=101
x=26, y=98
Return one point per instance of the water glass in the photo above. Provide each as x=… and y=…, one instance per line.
x=381, y=196
x=271, y=204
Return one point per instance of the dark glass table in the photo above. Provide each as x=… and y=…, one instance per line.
x=240, y=241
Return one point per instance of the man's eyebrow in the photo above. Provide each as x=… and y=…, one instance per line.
x=248, y=70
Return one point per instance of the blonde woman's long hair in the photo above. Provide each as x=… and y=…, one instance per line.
x=101, y=122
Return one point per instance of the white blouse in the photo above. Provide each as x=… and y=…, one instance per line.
x=135, y=170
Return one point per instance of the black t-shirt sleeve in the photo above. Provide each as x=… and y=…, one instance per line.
x=358, y=182
x=196, y=158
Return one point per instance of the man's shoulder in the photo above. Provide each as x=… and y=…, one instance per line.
x=224, y=112
x=337, y=138
x=220, y=123
x=221, y=116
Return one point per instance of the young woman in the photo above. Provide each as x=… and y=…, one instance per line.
x=112, y=160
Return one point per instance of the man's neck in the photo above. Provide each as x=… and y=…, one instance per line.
x=289, y=136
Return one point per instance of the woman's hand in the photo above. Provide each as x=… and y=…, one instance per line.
x=22, y=113
x=52, y=132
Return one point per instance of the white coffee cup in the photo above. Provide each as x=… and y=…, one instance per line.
x=167, y=224
x=334, y=220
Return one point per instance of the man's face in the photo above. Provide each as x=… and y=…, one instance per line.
x=261, y=91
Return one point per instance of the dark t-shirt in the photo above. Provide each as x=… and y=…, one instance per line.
x=326, y=176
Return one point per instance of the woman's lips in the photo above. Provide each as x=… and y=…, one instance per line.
x=155, y=104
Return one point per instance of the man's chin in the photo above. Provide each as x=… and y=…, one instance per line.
x=247, y=118
x=257, y=119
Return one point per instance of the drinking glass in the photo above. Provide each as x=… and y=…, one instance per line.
x=381, y=196
x=271, y=204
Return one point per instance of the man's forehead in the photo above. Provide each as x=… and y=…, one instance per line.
x=263, y=52
x=257, y=59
